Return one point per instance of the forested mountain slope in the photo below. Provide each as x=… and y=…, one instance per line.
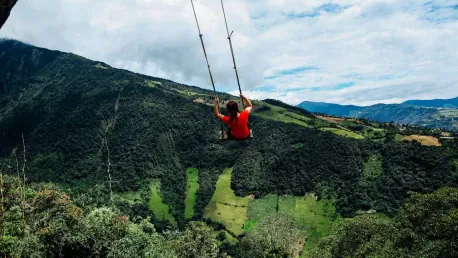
x=89, y=127
x=329, y=108
x=438, y=103
x=5, y=9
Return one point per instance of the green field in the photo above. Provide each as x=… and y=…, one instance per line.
x=136, y=197
x=398, y=137
x=342, y=132
x=156, y=205
x=315, y=218
x=249, y=224
x=189, y=93
x=192, y=185
x=260, y=208
x=297, y=116
x=282, y=115
x=225, y=207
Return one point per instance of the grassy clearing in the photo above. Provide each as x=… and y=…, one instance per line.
x=297, y=116
x=101, y=66
x=334, y=120
x=278, y=116
x=233, y=218
x=344, y=133
x=283, y=115
x=398, y=137
x=315, y=218
x=372, y=168
x=424, y=140
x=192, y=186
x=189, y=93
x=249, y=224
x=349, y=122
x=225, y=207
x=259, y=208
x=156, y=205
x=136, y=197
x=152, y=84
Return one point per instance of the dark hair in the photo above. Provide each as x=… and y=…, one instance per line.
x=233, y=109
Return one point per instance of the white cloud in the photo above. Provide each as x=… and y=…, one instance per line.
x=392, y=50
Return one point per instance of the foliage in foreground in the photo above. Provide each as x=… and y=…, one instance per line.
x=55, y=227
x=274, y=236
x=426, y=226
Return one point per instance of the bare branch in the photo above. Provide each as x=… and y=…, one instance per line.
x=23, y=188
x=108, y=170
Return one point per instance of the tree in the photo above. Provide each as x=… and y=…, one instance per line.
x=197, y=240
x=426, y=226
x=357, y=237
x=274, y=236
x=141, y=240
x=429, y=222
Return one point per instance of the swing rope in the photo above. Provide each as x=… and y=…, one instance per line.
x=208, y=64
x=229, y=37
x=232, y=52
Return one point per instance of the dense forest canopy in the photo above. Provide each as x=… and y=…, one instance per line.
x=113, y=138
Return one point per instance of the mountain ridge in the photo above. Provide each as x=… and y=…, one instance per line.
x=412, y=112
x=436, y=103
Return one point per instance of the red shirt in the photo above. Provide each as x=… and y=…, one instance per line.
x=239, y=126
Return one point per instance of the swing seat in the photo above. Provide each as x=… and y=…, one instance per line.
x=223, y=136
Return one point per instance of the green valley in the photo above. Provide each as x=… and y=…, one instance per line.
x=119, y=164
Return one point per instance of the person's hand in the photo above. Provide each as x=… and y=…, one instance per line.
x=242, y=96
x=216, y=101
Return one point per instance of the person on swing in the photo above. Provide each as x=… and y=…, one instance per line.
x=237, y=121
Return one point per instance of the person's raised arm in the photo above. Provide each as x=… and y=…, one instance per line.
x=248, y=104
x=216, y=109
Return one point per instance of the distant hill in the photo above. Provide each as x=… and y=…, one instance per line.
x=428, y=113
x=437, y=103
x=329, y=108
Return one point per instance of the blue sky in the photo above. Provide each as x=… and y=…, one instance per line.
x=349, y=52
